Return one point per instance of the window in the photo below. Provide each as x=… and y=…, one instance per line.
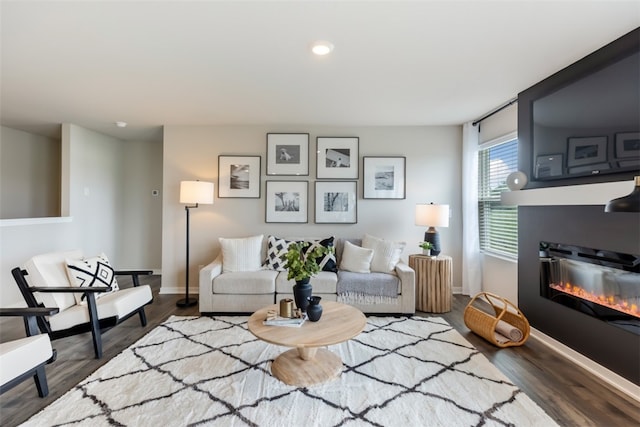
x=498, y=223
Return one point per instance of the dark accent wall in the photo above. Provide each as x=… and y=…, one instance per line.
x=589, y=226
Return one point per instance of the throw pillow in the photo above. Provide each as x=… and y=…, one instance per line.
x=356, y=259
x=326, y=262
x=386, y=253
x=91, y=272
x=241, y=254
x=277, y=253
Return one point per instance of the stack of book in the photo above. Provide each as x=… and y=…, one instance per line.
x=294, y=322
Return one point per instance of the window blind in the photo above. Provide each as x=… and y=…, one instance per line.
x=498, y=224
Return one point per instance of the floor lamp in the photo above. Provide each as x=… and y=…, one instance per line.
x=193, y=193
x=432, y=216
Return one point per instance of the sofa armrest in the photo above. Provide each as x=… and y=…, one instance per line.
x=205, y=281
x=407, y=277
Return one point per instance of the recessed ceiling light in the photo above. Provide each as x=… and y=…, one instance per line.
x=121, y=124
x=321, y=47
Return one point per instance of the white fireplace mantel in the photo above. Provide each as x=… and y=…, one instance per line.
x=588, y=194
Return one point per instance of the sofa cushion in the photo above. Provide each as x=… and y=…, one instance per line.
x=241, y=254
x=91, y=272
x=327, y=262
x=246, y=282
x=322, y=283
x=50, y=270
x=356, y=258
x=277, y=249
x=386, y=253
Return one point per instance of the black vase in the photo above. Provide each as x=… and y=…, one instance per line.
x=301, y=293
x=314, y=310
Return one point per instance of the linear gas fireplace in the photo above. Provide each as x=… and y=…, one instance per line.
x=598, y=283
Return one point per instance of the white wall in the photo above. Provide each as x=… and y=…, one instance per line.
x=98, y=172
x=29, y=171
x=433, y=174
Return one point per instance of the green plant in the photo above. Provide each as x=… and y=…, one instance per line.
x=426, y=245
x=302, y=265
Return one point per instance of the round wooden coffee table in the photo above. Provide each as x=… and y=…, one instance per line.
x=307, y=364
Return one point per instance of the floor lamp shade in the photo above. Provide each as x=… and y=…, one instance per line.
x=432, y=216
x=193, y=193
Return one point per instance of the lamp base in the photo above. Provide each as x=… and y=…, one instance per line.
x=432, y=236
x=187, y=302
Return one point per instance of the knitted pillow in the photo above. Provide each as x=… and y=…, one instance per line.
x=241, y=254
x=326, y=262
x=91, y=272
x=386, y=253
x=277, y=253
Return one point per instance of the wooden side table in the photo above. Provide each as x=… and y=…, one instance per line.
x=433, y=282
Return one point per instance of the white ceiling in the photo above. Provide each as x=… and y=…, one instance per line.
x=395, y=63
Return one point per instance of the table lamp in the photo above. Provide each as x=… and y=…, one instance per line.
x=432, y=216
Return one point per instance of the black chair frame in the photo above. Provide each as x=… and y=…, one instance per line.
x=31, y=327
x=95, y=325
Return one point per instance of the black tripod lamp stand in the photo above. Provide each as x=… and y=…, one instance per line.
x=193, y=193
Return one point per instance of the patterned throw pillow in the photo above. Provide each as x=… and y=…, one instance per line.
x=326, y=262
x=91, y=272
x=277, y=253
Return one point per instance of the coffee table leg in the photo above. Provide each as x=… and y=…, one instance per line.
x=319, y=366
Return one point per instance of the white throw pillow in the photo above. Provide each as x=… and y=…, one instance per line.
x=355, y=258
x=386, y=253
x=241, y=254
x=91, y=272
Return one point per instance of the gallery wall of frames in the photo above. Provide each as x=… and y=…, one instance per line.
x=337, y=172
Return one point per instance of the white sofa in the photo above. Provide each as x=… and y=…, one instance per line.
x=247, y=291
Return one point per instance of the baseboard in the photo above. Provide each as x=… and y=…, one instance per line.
x=610, y=377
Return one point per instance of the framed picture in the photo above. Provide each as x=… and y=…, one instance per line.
x=548, y=166
x=336, y=202
x=337, y=157
x=286, y=201
x=627, y=145
x=239, y=177
x=586, y=151
x=288, y=154
x=384, y=177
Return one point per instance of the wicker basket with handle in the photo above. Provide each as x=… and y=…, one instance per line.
x=484, y=324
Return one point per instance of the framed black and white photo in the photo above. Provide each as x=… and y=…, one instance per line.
x=239, y=177
x=288, y=154
x=627, y=145
x=548, y=166
x=586, y=151
x=383, y=177
x=337, y=157
x=336, y=202
x=286, y=201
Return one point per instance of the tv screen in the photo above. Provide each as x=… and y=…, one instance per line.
x=584, y=121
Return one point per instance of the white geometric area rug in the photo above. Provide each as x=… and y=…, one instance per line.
x=211, y=371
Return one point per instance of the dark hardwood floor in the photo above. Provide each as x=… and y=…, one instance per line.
x=569, y=394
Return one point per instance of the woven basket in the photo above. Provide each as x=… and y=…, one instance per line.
x=484, y=324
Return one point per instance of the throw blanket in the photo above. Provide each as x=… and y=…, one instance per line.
x=377, y=288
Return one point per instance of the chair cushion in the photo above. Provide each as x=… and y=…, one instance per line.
x=115, y=304
x=241, y=254
x=324, y=282
x=246, y=282
x=50, y=270
x=356, y=259
x=22, y=355
x=91, y=272
x=386, y=253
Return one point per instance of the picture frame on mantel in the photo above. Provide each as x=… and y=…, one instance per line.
x=383, y=177
x=286, y=201
x=239, y=177
x=337, y=157
x=288, y=154
x=336, y=202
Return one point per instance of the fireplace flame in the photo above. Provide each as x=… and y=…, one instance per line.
x=609, y=301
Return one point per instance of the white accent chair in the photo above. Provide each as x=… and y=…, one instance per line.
x=25, y=358
x=44, y=281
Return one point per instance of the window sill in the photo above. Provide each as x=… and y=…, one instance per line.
x=17, y=222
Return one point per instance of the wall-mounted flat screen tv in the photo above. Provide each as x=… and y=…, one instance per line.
x=582, y=124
